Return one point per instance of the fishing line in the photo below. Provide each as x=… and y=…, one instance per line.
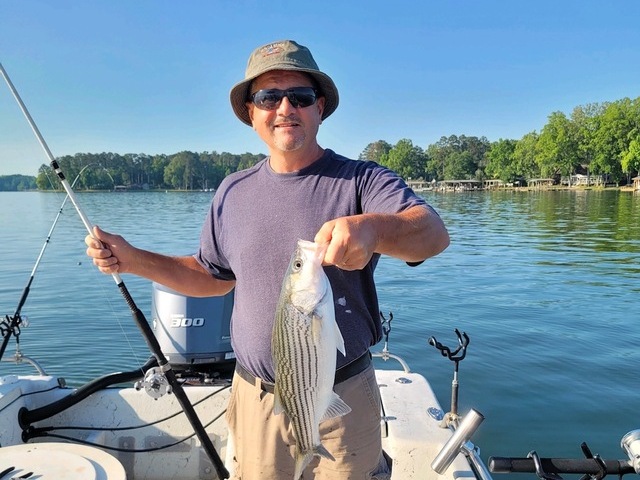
x=115, y=312
x=137, y=314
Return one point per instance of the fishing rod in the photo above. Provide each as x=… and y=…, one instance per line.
x=12, y=324
x=138, y=316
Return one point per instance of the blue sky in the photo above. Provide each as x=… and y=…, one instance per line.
x=142, y=76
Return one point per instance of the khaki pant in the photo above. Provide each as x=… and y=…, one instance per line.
x=265, y=445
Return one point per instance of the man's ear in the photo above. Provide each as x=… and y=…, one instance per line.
x=250, y=106
x=320, y=103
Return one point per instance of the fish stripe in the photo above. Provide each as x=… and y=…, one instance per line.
x=298, y=375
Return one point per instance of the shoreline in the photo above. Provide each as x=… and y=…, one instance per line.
x=625, y=188
x=530, y=189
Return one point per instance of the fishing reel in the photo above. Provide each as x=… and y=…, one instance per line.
x=630, y=443
x=155, y=383
x=11, y=325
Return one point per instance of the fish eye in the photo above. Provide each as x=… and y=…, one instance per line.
x=297, y=264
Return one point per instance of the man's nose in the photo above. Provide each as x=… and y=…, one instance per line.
x=285, y=106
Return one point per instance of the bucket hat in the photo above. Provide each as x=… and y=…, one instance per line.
x=282, y=55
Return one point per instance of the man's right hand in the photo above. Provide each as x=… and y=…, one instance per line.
x=113, y=254
x=110, y=253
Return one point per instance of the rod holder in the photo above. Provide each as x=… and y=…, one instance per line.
x=462, y=434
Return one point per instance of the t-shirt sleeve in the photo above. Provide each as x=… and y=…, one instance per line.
x=209, y=254
x=384, y=191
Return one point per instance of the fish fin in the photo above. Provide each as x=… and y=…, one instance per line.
x=277, y=403
x=336, y=408
x=303, y=459
x=339, y=340
x=320, y=451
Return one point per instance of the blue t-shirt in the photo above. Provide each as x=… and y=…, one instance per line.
x=251, y=230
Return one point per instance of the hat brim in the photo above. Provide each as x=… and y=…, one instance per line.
x=240, y=92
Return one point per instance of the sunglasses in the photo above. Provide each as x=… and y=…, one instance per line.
x=299, y=97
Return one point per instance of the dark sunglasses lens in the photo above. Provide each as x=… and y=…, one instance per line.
x=298, y=97
x=302, y=96
x=267, y=99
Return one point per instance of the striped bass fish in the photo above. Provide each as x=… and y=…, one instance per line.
x=304, y=343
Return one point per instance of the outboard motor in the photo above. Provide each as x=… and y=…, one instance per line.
x=194, y=333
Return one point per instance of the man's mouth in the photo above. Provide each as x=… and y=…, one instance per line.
x=291, y=122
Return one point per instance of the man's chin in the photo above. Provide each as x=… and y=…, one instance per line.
x=289, y=144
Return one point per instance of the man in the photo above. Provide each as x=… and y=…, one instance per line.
x=303, y=191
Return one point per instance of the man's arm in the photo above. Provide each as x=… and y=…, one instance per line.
x=413, y=236
x=113, y=254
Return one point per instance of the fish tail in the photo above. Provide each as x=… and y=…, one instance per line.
x=304, y=458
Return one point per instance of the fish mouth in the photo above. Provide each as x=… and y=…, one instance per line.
x=313, y=249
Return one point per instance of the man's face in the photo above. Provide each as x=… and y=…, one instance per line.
x=286, y=128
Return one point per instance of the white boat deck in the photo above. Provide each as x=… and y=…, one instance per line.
x=120, y=419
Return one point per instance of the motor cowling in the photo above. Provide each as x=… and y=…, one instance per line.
x=192, y=330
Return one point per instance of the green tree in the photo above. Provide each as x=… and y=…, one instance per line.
x=501, y=163
x=460, y=165
x=586, y=120
x=437, y=158
x=444, y=159
x=95, y=177
x=183, y=169
x=406, y=159
x=44, y=179
x=248, y=160
x=17, y=183
x=375, y=150
x=524, y=156
x=229, y=162
x=557, y=148
x=156, y=171
x=613, y=136
x=631, y=158
x=478, y=149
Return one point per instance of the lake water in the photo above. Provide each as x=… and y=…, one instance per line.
x=546, y=285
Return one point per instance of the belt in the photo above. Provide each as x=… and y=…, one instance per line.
x=345, y=372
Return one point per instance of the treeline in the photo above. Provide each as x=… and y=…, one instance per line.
x=17, y=183
x=599, y=139
x=181, y=171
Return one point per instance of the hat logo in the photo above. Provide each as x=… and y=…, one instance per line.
x=272, y=49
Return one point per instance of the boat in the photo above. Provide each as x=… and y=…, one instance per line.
x=131, y=425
